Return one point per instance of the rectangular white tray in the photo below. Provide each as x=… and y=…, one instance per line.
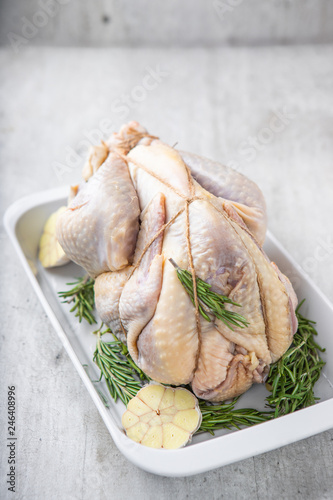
x=24, y=222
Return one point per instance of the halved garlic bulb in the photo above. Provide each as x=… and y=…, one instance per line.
x=162, y=417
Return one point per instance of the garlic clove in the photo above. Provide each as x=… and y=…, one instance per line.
x=51, y=253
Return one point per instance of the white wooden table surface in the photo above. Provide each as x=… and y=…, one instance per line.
x=269, y=112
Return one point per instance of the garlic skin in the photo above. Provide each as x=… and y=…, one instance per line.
x=162, y=417
x=50, y=252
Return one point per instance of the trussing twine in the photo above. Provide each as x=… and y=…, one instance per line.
x=188, y=201
x=139, y=165
x=190, y=260
x=189, y=251
x=162, y=228
x=129, y=142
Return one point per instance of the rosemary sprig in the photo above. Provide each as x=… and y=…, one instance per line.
x=224, y=416
x=210, y=303
x=292, y=378
x=122, y=376
x=82, y=294
x=291, y=381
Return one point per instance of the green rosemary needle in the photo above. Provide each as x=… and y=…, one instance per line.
x=122, y=376
x=291, y=379
x=224, y=416
x=210, y=303
x=82, y=294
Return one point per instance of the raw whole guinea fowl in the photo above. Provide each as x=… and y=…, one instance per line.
x=145, y=203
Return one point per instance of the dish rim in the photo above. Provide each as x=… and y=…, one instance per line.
x=202, y=456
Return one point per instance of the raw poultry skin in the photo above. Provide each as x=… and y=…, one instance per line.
x=137, y=290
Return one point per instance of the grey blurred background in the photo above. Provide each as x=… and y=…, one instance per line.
x=130, y=23
x=246, y=82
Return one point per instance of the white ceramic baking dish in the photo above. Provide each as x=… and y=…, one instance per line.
x=24, y=222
